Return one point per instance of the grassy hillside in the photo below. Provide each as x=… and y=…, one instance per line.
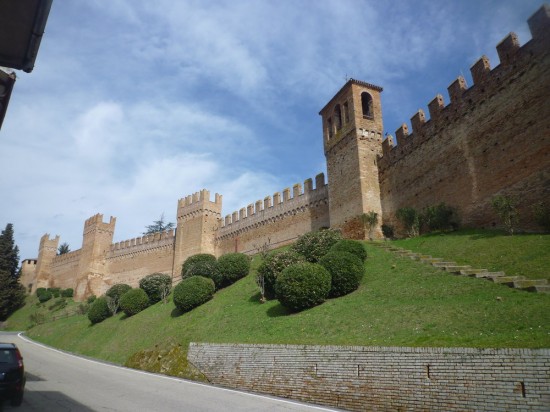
x=522, y=254
x=399, y=303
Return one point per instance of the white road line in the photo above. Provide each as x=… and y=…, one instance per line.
x=320, y=408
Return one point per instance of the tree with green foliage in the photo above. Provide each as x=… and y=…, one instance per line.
x=12, y=294
x=506, y=208
x=370, y=220
x=9, y=252
x=63, y=248
x=158, y=226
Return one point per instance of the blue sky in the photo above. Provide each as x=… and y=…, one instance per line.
x=134, y=104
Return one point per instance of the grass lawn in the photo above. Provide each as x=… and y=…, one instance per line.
x=399, y=303
x=521, y=254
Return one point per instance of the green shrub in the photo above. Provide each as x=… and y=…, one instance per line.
x=113, y=295
x=157, y=286
x=202, y=264
x=232, y=267
x=91, y=299
x=40, y=291
x=387, y=231
x=410, y=219
x=44, y=295
x=116, y=291
x=134, y=301
x=192, y=292
x=346, y=271
x=440, y=217
x=99, y=311
x=350, y=246
x=56, y=292
x=506, y=207
x=271, y=268
x=541, y=212
x=315, y=245
x=67, y=293
x=303, y=285
x=60, y=303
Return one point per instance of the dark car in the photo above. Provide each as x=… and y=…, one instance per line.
x=12, y=374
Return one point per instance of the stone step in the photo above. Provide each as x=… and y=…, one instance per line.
x=507, y=280
x=490, y=274
x=472, y=272
x=455, y=269
x=442, y=264
x=431, y=260
x=530, y=284
x=542, y=288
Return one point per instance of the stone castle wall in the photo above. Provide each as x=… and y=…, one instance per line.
x=131, y=260
x=64, y=270
x=492, y=138
x=276, y=221
x=383, y=378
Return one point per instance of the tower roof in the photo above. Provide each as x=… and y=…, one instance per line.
x=348, y=83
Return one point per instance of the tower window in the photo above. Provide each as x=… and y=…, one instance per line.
x=366, y=104
x=346, y=112
x=338, y=117
x=329, y=127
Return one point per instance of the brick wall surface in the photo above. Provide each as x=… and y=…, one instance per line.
x=384, y=378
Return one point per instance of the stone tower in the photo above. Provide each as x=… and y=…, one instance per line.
x=46, y=253
x=96, y=241
x=352, y=137
x=198, y=220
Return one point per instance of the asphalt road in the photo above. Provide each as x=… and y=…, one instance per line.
x=58, y=381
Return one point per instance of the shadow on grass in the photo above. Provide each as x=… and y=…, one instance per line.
x=277, y=310
x=256, y=298
x=176, y=312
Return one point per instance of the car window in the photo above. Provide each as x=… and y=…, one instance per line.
x=7, y=356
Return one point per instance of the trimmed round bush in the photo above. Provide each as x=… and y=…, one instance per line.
x=303, y=285
x=346, y=271
x=43, y=294
x=156, y=285
x=134, y=301
x=116, y=291
x=192, y=292
x=99, y=311
x=273, y=265
x=232, y=267
x=202, y=264
x=315, y=245
x=67, y=293
x=350, y=246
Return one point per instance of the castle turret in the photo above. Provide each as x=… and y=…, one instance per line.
x=46, y=253
x=96, y=241
x=352, y=136
x=198, y=220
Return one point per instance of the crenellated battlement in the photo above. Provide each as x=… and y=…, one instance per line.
x=515, y=60
x=47, y=243
x=96, y=223
x=198, y=202
x=150, y=241
x=69, y=256
x=289, y=201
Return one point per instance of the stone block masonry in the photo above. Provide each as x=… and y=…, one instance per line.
x=384, y=378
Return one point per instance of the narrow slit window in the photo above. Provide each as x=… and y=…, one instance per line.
x=338, y=117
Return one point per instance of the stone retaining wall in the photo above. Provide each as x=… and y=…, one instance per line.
x=384, y=378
